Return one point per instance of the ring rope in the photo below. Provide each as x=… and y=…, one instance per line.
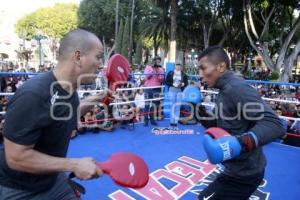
x=113, y=118
x=264, y=98
x=137, y=88
x=140, y=74
x=79, y=91
x=6, y=93
x=87, y=91
x=18, y=73
x=129, y=102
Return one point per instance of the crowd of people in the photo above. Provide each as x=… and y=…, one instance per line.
x=105, y=118
x=138, y=109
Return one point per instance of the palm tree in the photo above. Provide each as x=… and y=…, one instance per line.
x=131, y=31
x=117, y=20
x=157, y=25
x=173, y=29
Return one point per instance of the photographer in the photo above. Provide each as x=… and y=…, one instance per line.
x=153, y=77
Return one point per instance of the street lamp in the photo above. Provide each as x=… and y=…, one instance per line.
x=38, y=37
x=193, y=57
x=196, y=58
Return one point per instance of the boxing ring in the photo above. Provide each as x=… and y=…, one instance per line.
x=177, y=163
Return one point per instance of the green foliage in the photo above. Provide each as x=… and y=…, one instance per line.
x=98, y=16
x=157, y=24
x=26, y=27
x=274, y=76
x=147, y=42
x=54, y=21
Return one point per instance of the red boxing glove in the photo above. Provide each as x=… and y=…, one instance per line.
x=216, y=132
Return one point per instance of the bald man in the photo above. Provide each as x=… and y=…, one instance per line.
x=39, y=121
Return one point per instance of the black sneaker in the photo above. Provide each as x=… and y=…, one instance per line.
x=146, y=123
x=175, y=128
x=153, y=123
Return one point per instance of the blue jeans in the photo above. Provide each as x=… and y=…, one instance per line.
x=175, y=95
x=151, y=109
x=60, y=191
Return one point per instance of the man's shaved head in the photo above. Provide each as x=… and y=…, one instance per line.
x=77, y=39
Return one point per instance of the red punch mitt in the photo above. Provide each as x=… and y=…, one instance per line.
x=118, y=70
x=126, y=169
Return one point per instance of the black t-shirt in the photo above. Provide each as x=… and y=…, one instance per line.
x=43, y=114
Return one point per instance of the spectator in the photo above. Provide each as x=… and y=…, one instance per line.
x=139, y=101
x=102, y=115
x=101, y=80
x=139, y=76
x=153, y=77
x=89, y=121
x=1, y=128
x=177, y=81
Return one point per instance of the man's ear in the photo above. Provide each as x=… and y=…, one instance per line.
x=222, y=67
x=77, y=57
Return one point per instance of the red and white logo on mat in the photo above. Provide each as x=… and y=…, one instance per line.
x=184, y=178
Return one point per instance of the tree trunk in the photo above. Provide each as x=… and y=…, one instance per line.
x=205, y=39
x=285, y=73
x=224, y=38
x=286, y=44
x=264, y=55
x=155, y=45
x=146, y=56
x=289, y=62
x=173, y=13
x=125, y=40
x=206, y=34
x=110, y=53
x=105, y=50
x=117, y=20
x=284, y=61
x=131, y=32
x=251, y=19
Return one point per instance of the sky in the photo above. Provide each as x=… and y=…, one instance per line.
x=21, y=7
x=12, y=10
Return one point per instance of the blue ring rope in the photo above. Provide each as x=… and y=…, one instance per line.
x=248, y=81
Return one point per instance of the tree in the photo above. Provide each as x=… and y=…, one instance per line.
x=103, y=17
x=273, y=13
x=156, y=25
x=54, y=21
x=26, y=27
x=209, y=13
x=232, y=13
x=125, y=40
x=99, y=16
